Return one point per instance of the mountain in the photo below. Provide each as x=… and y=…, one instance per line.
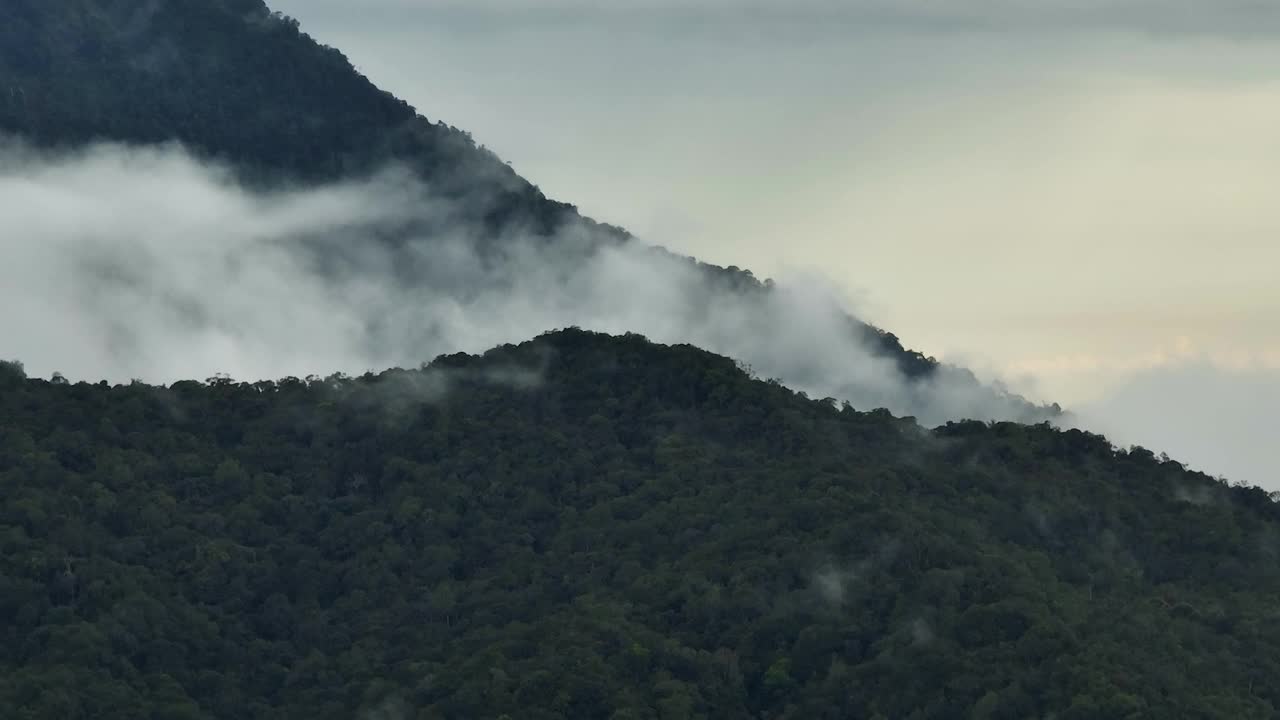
x=582, y=525
x=240, y=85
x=591, y=526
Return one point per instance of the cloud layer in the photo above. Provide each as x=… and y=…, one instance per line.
x=127, y=263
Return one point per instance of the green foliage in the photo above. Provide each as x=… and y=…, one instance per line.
x=646, y=533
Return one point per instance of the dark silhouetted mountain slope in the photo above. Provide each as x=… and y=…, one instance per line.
x=234, y=82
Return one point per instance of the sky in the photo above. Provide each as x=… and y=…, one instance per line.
x=1074, y=196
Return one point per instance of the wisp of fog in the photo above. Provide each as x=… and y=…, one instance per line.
x=146, y=263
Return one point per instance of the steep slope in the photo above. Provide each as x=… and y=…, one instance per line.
x=236, y=83
x=589, y=526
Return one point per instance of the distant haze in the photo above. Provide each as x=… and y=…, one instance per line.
x=1076, y=196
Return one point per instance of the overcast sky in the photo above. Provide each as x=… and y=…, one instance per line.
x=1075, y=195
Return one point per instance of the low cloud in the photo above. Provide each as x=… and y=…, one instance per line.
x=126, y=263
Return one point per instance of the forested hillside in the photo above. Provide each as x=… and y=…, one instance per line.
x=588, y=526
